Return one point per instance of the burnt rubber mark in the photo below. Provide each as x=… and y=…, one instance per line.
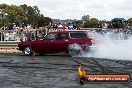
x=121, y=62
x=87, y=61
x=59, y=64
x=126, y=63
x=42, y=67
x=82, y=63
x=18, y=82
x=105, y=70
x=97, y=68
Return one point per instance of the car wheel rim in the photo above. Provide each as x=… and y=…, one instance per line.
x=73, y=52
x=74, y=49
x=27, y=50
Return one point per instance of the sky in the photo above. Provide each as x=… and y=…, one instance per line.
x=75, y=9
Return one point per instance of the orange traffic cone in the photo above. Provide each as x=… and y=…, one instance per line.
x=33, y=55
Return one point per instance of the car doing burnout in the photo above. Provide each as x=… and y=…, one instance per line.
x=71, y=42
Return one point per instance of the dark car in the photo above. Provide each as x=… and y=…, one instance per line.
x=65, y=41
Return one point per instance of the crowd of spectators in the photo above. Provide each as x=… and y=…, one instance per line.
x=62, y=27
x=13, y=33
x=27, y=33
x=23, y=33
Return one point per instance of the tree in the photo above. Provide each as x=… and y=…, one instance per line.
x=78, y=23
x=3, y=8
x=85, y=18
x=130, y=19
x=41, y=21
x=22, y=14
x=119, y=23
x=12, y=13
x=130, y=22
x=25, y=13
x=47, y=21
x=93, y=22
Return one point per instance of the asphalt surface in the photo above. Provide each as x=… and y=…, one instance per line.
x=56, y=71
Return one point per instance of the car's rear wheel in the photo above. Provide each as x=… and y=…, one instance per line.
x=74, y=49
x=28, y=50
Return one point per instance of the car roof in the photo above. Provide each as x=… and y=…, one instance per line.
x=68, y=31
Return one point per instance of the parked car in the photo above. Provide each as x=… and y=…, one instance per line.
x=64, y=41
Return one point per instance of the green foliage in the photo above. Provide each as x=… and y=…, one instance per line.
x=93, y=22
x=130, y=19
x=47, y=21
x=22, y=14
x=78, y=23
x=41, y=21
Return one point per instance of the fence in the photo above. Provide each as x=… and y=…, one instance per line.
x=8, y=46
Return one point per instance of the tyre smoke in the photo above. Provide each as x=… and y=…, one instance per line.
x=111, y=45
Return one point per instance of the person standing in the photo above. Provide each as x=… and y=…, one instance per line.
x=70, y=26
x=28, y=27
x=60, y=27
x=1, y=36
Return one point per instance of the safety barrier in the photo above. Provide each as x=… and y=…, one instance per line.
x=8, y=46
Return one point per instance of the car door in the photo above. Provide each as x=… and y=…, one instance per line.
x=48, y=43
x=61, y=42
x=45, y=45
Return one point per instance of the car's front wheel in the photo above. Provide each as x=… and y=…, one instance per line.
x=28, y=50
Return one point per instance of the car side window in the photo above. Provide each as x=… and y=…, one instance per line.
x=62, y=36
x=50, y=37
x=78, y=35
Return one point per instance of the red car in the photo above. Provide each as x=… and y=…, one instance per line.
x=65, y=41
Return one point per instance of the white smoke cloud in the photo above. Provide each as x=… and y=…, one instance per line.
x=109, y=47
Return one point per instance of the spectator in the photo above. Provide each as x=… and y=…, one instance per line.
x=6, y=36
x=22, y=36
x=1, y=36
x=55, y=27
x=28, y=27
x=70, y=26
x=60, y=27
x=11, y=26
x=14, y=27
x=65, y=26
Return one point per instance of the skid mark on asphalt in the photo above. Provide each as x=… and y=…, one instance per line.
x=58, y=63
